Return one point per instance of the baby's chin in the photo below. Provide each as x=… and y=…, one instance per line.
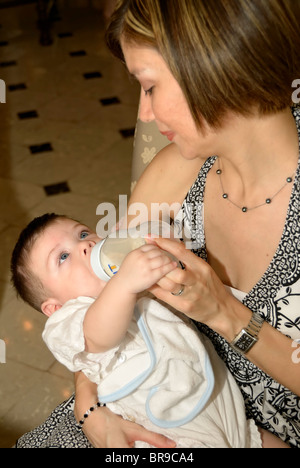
x=96, y=291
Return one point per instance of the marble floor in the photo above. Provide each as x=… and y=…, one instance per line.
x=66, y=138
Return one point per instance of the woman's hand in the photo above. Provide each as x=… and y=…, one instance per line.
x=105, y=429
x=204, y=297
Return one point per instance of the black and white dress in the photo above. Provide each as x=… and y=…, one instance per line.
x=276, y=297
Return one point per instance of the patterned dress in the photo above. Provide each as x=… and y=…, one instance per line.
x=276, y=297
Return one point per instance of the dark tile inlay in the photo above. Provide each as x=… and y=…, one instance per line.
x=13, y=3
x=9, y=63
x=127, y=132
x=91, y=75
x=62, y=35
x=32, y=114
x=56, y=189
x=17, y=87
x=41, y=148
x=78, y=53
x=109, y=101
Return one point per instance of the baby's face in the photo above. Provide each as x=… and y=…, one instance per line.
x=61, y=260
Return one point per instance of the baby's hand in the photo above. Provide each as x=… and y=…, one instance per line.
x=144, y=267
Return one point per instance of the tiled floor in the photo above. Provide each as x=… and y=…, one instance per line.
x=61, y=150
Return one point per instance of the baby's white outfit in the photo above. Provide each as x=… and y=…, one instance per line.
x=164, y=376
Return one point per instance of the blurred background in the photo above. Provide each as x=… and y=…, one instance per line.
x=66, y=140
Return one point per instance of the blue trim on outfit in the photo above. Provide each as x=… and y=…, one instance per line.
x=137, y=381
x=192, y=414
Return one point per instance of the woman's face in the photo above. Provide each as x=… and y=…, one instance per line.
x=162, y=100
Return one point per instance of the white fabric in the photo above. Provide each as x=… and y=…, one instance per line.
x=179, y=374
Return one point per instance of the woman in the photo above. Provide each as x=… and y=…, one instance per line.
x=217, y=78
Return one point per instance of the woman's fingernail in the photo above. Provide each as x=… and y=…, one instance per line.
x=171, y=443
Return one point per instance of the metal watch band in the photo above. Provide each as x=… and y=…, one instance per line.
x=248, y=336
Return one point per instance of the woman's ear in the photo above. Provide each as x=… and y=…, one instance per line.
x=50, y=306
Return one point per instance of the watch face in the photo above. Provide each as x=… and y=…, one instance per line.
x=244, y=342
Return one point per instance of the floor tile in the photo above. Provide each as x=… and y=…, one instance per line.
x=59, y=131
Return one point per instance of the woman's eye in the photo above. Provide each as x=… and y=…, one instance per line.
x=149, y=91
x=63, y=257
x=84, y=234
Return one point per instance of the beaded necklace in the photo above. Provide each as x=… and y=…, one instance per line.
x=244, y=209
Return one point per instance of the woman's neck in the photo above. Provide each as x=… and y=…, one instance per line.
x=258, y=153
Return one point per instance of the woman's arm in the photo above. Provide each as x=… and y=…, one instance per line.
x=105, y=429
x=164, y=184
x=206, y=300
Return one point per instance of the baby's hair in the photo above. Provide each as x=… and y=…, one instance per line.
x=27, y=285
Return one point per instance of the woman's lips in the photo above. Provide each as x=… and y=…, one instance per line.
x=169, y=135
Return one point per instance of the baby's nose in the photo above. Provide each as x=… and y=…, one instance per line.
x=87, y=246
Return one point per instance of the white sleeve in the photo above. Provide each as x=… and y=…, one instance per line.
x=63, y=334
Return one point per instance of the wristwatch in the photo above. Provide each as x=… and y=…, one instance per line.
x=248, y=336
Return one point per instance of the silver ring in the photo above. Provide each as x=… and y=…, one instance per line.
x=180, y=292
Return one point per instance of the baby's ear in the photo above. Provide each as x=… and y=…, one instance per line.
x=50, y=306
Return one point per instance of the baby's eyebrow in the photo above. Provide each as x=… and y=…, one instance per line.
x=80, y=226
x=52, y=251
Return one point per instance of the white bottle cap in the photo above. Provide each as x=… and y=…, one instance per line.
x=95, y=262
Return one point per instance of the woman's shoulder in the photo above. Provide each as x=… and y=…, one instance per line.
x=170, y=158
x=168, y=177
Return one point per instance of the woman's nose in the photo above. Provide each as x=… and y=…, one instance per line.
x=145, y=110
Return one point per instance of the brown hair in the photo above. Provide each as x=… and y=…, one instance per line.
x=28, y=286
x=225, y=54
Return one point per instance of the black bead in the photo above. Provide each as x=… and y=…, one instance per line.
x=225, y=195
x=289, y=180
x=244, y=209
x=268, y=201
x=218, y=171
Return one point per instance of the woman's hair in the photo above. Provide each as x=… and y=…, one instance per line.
x=27, y=285
x=225, y=54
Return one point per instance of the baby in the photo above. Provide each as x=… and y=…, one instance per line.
x=151, y=365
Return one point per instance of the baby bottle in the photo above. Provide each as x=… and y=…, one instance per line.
x=108, y=254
